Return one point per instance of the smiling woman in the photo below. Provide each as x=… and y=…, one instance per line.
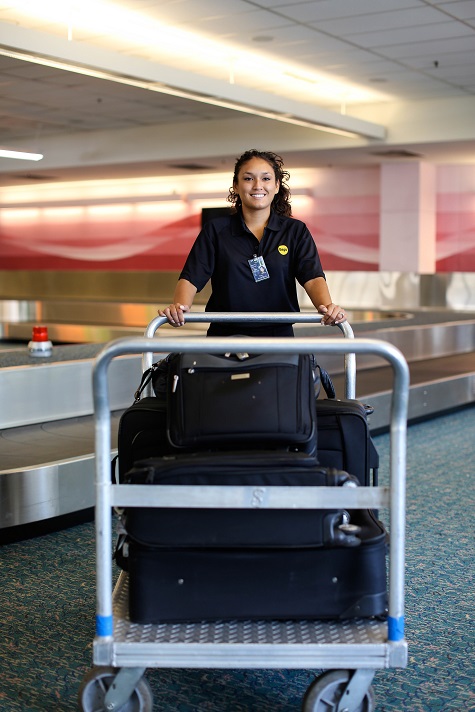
x=255, y=256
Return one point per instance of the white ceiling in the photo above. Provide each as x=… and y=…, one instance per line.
x=417, y=56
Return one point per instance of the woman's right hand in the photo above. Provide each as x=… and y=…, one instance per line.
x=175, y=314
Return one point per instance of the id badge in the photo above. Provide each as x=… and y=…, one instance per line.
x=258, y=269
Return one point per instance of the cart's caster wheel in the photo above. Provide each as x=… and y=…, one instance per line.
x=94, y=689
x=326, y=692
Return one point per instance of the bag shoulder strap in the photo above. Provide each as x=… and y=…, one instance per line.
x=146, y=378
x=326, y=382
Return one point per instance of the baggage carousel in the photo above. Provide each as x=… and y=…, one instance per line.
x=47, y=425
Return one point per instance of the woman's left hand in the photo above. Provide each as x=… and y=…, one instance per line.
x=332, y=314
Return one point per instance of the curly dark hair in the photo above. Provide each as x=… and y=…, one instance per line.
x=281, y=203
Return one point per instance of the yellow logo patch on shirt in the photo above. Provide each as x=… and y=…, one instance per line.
x=283, y=249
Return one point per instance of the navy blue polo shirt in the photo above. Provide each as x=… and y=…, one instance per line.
x=221, y=253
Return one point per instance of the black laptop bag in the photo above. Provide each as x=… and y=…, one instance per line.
x=250, y=400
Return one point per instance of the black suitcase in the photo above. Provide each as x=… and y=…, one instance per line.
x=344, y=439
x=227, y=400
x=146, y=428
x=142, y=433
x=208, y=564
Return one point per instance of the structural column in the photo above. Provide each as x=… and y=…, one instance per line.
x=408, y=218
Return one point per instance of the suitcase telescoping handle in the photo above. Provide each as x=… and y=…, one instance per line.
x=259, y=318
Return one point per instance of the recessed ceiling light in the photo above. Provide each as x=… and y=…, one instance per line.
x=22, y=155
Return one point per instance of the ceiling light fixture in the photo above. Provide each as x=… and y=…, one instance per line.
x=230, y=69
x=126, y=29
x=376, y=131
x=22, y=155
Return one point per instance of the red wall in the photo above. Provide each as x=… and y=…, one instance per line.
x=341, y=211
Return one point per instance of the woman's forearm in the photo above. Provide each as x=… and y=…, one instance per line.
x=185, y=293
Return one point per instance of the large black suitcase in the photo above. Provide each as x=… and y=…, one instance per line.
x=344, y=439
x=195, y=564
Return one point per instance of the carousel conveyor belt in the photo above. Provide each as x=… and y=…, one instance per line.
x=47, y=468
x=34, y=445
x=30, y=445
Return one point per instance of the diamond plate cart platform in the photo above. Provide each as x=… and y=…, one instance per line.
x=350, y=651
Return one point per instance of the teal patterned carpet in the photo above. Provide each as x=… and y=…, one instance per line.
x=48, y=606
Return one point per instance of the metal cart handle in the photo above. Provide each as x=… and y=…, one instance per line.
x=260, y=318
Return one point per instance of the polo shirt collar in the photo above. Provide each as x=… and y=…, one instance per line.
x=238, y=226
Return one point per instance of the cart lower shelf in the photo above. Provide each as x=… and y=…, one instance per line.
x=355, y=643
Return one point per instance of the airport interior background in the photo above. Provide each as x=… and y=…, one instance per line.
x=120, y=123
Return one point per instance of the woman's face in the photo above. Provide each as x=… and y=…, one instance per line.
x=256, y=185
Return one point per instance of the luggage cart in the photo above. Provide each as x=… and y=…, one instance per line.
x=350, y=651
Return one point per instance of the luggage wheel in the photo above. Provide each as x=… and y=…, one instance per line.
x=108, y=689
x=341, y=691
